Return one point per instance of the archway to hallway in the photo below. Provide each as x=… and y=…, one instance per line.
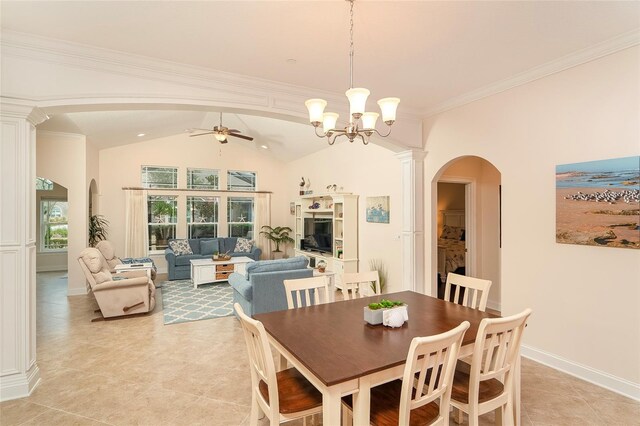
x=467, y=207
x=52, y=225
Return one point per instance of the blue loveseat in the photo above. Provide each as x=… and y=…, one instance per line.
x=179, y=267
x=262, y=288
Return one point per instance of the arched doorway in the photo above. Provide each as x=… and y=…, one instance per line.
x=52, y=225
x=467, y=208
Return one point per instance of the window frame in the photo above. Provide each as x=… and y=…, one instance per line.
x=44, y=225
x=147, y=185
x=255, y=181
x=230, y=223
x=151, y=222
x=216, y=200
x=191, y=186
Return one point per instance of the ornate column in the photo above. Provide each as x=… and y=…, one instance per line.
x=412, y=236
x=19, y=372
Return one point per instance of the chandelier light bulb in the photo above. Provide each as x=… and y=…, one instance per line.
x=220, y=137
x=369, y=120
x=316, y=110
x=388, y=106
x=357, y=101
x=329, y=121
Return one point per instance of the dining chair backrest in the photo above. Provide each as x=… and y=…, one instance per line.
x=434, y=358
x=476, y=291
x=261, y=363
x=351, y=282
x=495, y=351
x=306, y=291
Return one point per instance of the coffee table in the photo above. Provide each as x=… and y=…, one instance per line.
x=205, y=271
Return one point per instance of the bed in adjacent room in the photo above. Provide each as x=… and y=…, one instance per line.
x=451, y=244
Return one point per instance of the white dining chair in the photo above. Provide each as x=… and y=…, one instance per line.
x=414, y=397
x=487, y=385
x=306, y=291
x=282, y=396
x=352, y=282
x=476, y=291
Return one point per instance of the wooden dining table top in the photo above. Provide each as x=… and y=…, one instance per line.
x=334, y=342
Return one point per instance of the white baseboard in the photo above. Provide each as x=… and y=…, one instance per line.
x=19, y=385
x=591, y=375
x=492, y=304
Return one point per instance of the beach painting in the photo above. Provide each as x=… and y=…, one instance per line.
x=378, y=209
x=598, y=203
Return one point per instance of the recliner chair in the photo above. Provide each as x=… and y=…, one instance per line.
x=109, y=253
x=116, y=295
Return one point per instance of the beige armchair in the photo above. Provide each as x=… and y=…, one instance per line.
x=116, y=295
x=109, y=253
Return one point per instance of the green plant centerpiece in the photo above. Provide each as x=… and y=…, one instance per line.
x=98, y=225
x=279, y=235
x=373, y=313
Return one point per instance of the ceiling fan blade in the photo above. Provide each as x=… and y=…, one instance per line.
x=249, y=138
x=192, y=130
x=234, y=131
x=200, y=134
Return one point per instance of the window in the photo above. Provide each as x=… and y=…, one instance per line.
x=202, y=179
x=202, y=217
x=162, y=221
x=43, y=184
x=159, y=177
x=240, y=217
x=54, y=230
x=241, y=181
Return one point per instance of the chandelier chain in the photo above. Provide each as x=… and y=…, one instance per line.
x=351, y=46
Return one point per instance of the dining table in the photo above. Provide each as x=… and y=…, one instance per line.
x=341, y=354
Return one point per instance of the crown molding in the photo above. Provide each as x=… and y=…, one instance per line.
x=231, y=89
x=616, y=44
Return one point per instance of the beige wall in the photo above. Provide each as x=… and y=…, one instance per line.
x=584, y=298
x=49, y=261
x=121, y=167
x=366, y=171
x=62, y=157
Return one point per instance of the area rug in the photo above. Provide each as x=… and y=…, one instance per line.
x=182, y=303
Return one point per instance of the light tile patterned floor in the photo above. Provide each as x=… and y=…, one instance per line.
x=138, y=371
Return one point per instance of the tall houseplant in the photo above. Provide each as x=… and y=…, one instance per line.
x=377, y=265
x=279, y=235
x=98, y=225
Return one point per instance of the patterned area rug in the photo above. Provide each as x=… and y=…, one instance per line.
x=182, y=303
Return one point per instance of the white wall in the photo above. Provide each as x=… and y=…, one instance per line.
x=121, y=167
x=584, y=298
x=366, y=171
x=49, y=261
x=62, y=157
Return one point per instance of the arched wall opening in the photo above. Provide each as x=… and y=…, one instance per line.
x=52, y=225
x=479, y=207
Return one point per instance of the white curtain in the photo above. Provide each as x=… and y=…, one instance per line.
x=263, y=217
x=136, y=233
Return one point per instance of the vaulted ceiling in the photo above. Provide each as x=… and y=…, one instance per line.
x=428, y=53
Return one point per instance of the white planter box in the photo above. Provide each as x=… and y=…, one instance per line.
x=374, y=316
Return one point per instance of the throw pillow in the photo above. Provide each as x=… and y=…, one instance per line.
x=451, y=232
x=208, y=247
x=243, y=245
x=180, y=247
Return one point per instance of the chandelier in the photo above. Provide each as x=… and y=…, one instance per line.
x=361, y=124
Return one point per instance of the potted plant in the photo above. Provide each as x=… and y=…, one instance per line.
x=377, y=265
x=279, y=235
x=97, y=229
x=374, y=312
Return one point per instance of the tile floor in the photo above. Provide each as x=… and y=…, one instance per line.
x=139, y=371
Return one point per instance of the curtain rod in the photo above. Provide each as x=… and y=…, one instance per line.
x=135, y=188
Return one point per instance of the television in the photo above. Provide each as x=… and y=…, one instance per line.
x=317, y=235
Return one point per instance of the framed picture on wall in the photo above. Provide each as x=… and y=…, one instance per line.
x=378, y=209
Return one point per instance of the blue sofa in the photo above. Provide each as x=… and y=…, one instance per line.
x=179, y=267
x=262, y=288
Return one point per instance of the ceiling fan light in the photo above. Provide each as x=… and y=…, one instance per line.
x=220, y=136
x=369, y=120
x=316, y=109
x=388, y=106
x=357, y=101
x=329, y=121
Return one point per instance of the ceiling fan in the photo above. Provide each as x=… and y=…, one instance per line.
x=220, y=132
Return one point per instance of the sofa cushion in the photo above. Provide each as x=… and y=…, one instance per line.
x=180, y=247
x=184, y=260
x=228, y=245
x=243, y=245
x=208, y=247
x=298, y=262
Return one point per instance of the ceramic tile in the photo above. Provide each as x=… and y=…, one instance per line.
x=139, y=371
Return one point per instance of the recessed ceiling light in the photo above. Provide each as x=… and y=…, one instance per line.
x=141, y=134
x=264, y=147
x=291, y=61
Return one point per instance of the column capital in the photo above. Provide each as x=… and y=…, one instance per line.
x=18, y=108
x=411, y=154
